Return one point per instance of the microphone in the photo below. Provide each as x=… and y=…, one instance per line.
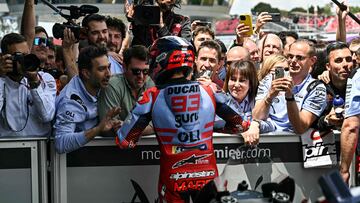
x=88, y=9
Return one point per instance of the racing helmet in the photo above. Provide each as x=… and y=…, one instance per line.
x=172, y=54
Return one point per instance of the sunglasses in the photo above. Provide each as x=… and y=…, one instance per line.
x=282, y=67
x=341, y=59
x=228, y=63
x=297, y=57
x=40, y=40
x=136, y=71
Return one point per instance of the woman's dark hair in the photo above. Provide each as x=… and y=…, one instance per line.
x=246, y=69
x=320, y=64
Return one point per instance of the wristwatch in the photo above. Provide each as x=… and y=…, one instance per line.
x=289, y=99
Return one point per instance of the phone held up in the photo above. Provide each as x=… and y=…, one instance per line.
x=281, y=72
x=275, y=17
x=247, y=20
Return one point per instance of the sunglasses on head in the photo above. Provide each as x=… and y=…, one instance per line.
x=40, y=40
x=341, y=59
x=136, y=71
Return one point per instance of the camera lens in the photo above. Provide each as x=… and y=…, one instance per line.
x=242, y=18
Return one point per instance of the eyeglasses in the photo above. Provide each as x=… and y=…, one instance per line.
x=40, y=40
x=136, y=71
x=298, y=57
x=341, y=59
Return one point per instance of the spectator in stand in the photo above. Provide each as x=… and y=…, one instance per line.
x=98, y=34
x=320, y=64
x=77, y=120
x=287, y=38
x=222, y=70
x=170, y=24
x=207, y=60
x=36, y=36
x=125, y=89
x=237, y=53
x=270, y=64
x=354, y=46
x=350, y=127
x=27, y=96
x=304, y=99
x=201, y=34
x=251, y=46
x=339, y=64
x=116, y=29
x=241, y=86
x=270, y=44
x=52, y=68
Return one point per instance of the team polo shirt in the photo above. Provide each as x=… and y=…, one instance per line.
x=313, y=101
x=352, y=101
x=76, y=112
x=115, y=67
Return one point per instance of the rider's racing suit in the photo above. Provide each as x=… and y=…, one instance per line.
x=183, y=115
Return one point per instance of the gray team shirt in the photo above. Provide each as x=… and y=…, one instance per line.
x=310, y=99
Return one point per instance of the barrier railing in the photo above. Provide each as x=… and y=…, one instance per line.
x=23, y=170
x=101, y=172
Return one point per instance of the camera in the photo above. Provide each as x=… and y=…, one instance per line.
x=29, y=62
x=145, y=13
x=58, y=30
x=56, y=73
x=75, y=13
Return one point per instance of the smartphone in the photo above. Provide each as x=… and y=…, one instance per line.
x=204, y=23
x=279, y=72
x=247, y=20
x=275, y=17
x=205, y=73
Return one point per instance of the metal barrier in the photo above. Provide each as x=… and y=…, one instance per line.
x=101, y=172
x=23, y=170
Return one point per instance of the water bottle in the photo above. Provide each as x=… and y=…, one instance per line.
x=338, y=104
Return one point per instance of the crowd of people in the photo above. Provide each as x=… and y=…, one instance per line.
x=176, y=80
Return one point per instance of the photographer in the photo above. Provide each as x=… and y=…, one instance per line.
x=27, y=96
x=170, y=23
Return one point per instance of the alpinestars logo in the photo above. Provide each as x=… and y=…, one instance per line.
x=193, y=159
x=186, y=175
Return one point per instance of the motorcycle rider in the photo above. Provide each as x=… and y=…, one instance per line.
x=182, y=112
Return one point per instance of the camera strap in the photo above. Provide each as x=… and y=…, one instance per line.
x=15, y=115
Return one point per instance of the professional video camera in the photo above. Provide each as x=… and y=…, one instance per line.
x=146, y=13
x=75, y=13
x=29, y=62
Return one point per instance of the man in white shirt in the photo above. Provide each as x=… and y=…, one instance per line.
x=27, y=96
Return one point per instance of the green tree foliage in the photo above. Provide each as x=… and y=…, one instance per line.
x=262, y=7
x=298, y=9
